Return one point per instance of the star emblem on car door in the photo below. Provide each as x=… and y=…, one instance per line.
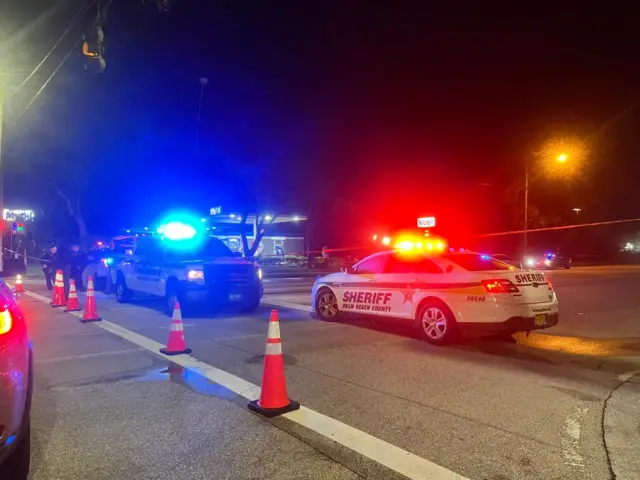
x=408, y=294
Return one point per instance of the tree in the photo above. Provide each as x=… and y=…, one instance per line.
x=259, y=197
x=258, y=223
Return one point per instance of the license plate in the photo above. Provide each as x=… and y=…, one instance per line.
x=235, y=296
x=540, y=320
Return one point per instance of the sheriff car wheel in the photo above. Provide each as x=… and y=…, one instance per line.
x=327, y=305
x=436, y=323
x=123, y=294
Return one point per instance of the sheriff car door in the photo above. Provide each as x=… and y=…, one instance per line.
x=146, y=267
x=409, y=275
x=362, y=291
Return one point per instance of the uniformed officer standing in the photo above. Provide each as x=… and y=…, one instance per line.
x=48, y=261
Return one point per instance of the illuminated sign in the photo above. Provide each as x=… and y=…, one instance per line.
x=23, y=215
x=215, y=211
x=426, y=222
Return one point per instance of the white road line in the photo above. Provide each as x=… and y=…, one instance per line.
x=571, y=438
x=284, y=304
x=89, y=355
x=625, y=377
x=384, y=453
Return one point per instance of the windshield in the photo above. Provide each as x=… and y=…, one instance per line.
x=477, y=263
x=209, y=248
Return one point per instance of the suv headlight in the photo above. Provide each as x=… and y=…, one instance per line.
x=195, y=275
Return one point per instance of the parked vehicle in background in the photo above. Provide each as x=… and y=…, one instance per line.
x=548, y=261
x=508, y=260
x=16, y=388
x=102, y=258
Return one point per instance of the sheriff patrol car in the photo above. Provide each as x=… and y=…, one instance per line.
x=207, y=272
x=445, y=294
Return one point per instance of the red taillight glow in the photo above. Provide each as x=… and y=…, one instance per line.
x=499, y=286
x=6, y=322
x=550, y=285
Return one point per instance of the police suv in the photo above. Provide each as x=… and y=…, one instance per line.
x=445, y=294
x=205, y=273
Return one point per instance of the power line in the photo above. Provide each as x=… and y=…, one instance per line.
x=81, y=13
x=548, y=229
x=44, y=85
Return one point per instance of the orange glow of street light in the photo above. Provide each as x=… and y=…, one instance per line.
x=564, y=157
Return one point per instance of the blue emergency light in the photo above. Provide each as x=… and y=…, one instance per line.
x=178, y=231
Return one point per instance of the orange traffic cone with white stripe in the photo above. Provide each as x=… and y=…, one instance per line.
x=72, y=303
x=19, y=285
x=273, y=395
x=90, y=307
x=176, y=344
x=58, y=299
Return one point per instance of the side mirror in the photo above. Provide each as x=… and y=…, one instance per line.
x=448, y=269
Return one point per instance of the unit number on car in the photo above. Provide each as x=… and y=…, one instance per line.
x=476, y=298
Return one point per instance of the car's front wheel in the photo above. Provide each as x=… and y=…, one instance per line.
x=327, y=305
x=436, y=323
x=123, y=293
x=17, y=465
x=251, y=305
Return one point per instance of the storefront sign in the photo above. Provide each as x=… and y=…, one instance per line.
x=426, y=222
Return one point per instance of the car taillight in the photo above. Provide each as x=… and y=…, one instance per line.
x=550, y=285
x=499, y=286
x=6, y=322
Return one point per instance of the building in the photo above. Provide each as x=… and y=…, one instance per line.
x=284, y=234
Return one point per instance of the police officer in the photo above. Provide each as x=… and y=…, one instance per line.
x=78, y=263
x=48, y=265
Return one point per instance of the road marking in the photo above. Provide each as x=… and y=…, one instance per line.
x=88, y=355
x=384, y=453
x=284, y=304
x=571, y=438
x=287, y=279
x=625, y=377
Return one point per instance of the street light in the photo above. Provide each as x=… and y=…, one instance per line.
x=561, y=150
x=577, y=210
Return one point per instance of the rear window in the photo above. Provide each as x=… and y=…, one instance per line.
x=374, y=264
x=411, y=264
x=477, y=263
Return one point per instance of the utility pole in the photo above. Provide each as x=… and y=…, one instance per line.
x=526, y=204
x=1, y=184
x=203, y=82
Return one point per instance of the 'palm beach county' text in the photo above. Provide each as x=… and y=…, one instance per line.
x=366, y=301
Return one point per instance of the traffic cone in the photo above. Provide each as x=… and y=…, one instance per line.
x=58, y=291
x=19, y=285
x=176, y=344
x=72, y=303
x=90, y=307
x=273, y=395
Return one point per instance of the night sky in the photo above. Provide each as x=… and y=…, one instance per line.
x=396, y=110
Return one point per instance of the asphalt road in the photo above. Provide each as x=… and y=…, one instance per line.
x=376, y=400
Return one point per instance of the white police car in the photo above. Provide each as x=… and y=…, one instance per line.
x=445, y=294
